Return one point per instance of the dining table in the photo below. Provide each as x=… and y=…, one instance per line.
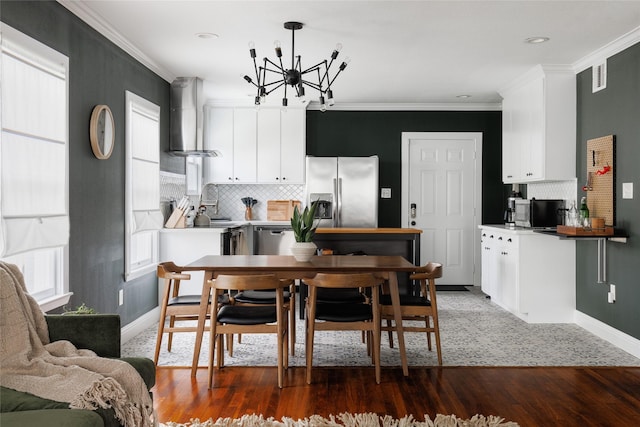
x=286, y=267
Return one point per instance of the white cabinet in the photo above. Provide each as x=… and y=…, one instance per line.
x=263, y=146
x=281, y=146
x=538, y=127
x=530, y=274
x=186, y=245
x=500, y=267
x=292, y=146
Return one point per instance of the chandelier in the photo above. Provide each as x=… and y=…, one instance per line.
x=316, y=77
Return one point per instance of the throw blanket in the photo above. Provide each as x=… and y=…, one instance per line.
x=58, y=371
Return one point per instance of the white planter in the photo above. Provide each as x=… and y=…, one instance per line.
x=303, y=251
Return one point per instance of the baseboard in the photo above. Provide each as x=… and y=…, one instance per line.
x=621, y=340
x=136, y=327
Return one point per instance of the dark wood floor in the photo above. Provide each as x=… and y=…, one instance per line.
x=555, y=396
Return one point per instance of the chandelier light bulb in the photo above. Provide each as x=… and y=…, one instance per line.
x=330, y=97
x=252, y=49
x=278, y=48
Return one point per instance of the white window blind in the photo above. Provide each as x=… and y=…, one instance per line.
x=143, y=185
x=34, y=188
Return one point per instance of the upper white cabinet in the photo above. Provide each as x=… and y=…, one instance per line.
x=265, y=146
x=281, y=146
x=539, y=127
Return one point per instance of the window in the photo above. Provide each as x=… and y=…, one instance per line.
x=34, y=182
x=142, y=205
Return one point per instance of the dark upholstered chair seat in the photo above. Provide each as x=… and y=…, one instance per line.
x=247, y=315
x=340, y=296
x=194, y=300
x=259, y=297
x=343, y=312
x=406, y=300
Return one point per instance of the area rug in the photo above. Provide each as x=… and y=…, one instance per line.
x=350, y=420
x=475, y=332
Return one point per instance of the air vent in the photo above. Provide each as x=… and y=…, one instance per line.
x=599, y=77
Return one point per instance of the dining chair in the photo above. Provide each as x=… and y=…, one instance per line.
x=245, y=319
x=268, y=297
x=422, y=308
x=356, y=316
x=177, y=307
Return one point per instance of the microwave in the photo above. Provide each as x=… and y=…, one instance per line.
x=539, y=213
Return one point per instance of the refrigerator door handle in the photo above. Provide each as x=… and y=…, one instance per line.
x=337, y=190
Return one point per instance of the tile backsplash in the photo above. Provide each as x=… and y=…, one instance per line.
x=173, y=187
x=566, y=190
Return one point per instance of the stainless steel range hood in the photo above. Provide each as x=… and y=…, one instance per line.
x=187, y=103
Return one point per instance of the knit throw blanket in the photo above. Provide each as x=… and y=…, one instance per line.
x=58, y=371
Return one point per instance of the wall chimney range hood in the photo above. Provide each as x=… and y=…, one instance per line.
x=187, y=103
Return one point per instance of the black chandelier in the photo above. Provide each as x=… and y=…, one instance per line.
x=295, y=76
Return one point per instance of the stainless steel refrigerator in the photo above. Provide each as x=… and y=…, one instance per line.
x=347, y=188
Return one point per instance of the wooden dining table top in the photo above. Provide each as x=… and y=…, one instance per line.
x=283, y=263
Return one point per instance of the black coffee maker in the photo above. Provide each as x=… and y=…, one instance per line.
x=509, y=213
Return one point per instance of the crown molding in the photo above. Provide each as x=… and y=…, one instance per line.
x=600, y=55
x=315, y=106
x=96, y=22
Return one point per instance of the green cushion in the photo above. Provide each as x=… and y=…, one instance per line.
x=52, y=418
x=145, y=367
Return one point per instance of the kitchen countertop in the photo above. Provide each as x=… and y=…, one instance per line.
x=348, y=230
x=507, y=229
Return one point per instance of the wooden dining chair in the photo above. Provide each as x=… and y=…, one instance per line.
x=246, y=319
x=176, y=307
x=422, y=308
x=268, y=297
x=356, y=316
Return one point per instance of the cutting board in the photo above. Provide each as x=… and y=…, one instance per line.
x=281, y=210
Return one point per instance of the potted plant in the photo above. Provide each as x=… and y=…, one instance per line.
x=304, y=228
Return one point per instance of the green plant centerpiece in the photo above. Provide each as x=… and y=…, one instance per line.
x=304, y=227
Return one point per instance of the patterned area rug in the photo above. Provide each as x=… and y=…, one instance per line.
x=474, y=332
x=350, y=420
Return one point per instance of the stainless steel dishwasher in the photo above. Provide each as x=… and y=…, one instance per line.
x=272, y=240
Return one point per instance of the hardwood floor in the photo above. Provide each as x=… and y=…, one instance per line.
x=535, y=396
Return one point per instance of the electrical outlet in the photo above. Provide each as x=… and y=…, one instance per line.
x=121, y=297
x=385, y=193
x=611, y=296
x=627, y=190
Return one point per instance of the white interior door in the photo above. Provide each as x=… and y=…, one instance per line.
x=441, y=175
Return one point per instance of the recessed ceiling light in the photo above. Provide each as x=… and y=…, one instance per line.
x=463, y=96
x=207, y=35
x=536, y=40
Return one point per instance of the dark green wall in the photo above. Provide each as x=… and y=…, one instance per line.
x=100, y=73
x=367, y=133
x=613, y=111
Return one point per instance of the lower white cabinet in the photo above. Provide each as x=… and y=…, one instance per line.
x=182, y=246
x=530, y=274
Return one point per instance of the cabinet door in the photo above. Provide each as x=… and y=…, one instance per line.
x=534, y=150
x=292, y=146
x=510, y=143
x=268, y=146
x=485, y=253
x=244, y=145
x=508, y=273
x=218, y=135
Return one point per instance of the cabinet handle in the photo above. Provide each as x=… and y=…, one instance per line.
x=509, y=240
x=236, y=178
x=484, y=235
x=491, y=237
x=499, y=238
x=284, y=178
x=277, y=178
x=230, y=179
